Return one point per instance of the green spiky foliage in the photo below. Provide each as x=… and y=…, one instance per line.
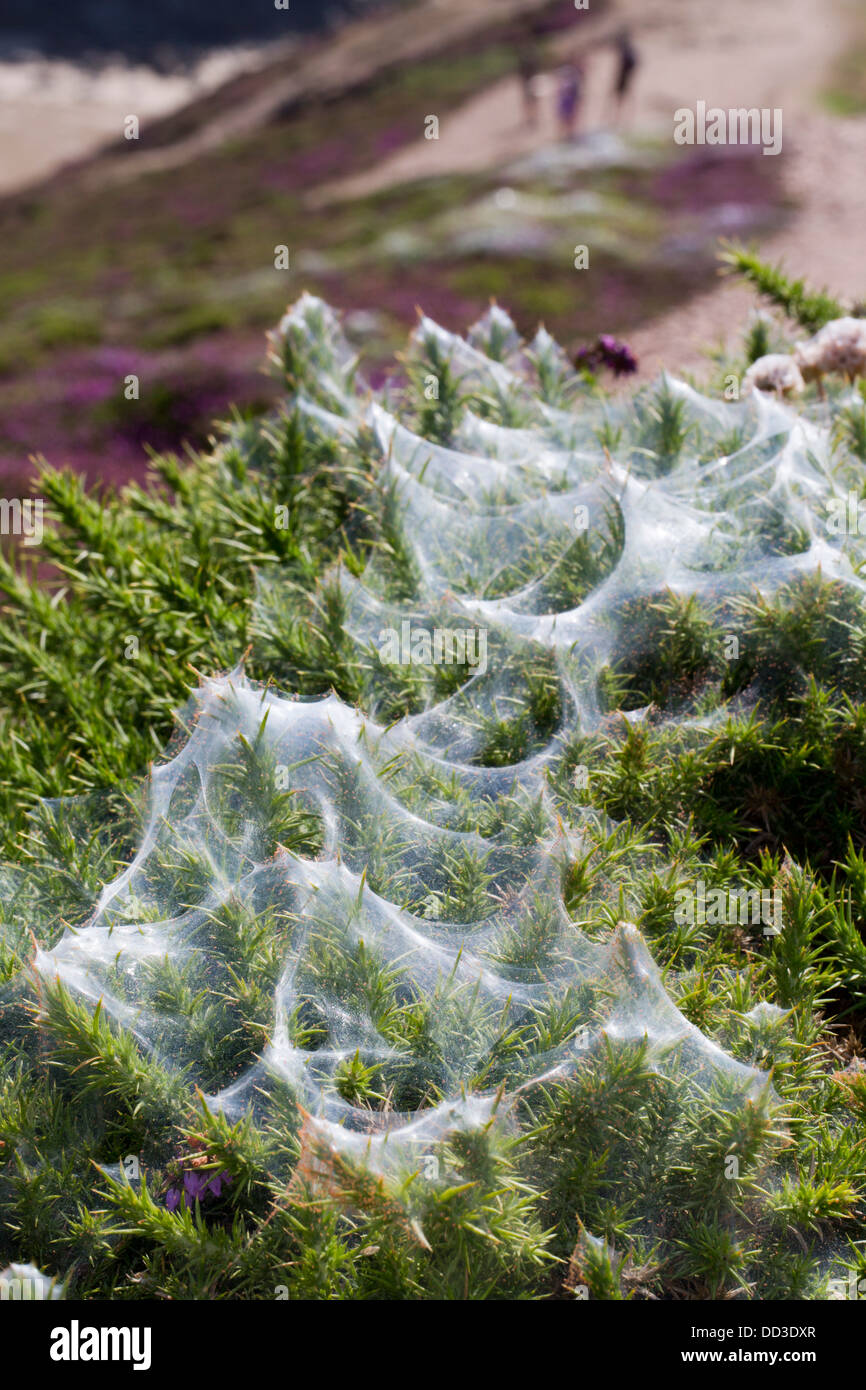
x=811, y=309
x=619, y=1181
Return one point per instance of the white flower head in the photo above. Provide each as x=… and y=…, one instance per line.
x=775, y=372
x=839, y=347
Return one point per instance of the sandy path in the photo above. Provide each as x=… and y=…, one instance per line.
x=764, y=53
x=736, y=54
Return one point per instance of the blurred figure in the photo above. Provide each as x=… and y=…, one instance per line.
x=568, y=98
x=527, y=40
x=627, y=61
x=527, y=67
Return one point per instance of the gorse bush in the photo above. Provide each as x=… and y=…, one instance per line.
x=490, y=922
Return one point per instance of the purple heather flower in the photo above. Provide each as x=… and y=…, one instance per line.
x=218, y=1182
x=608, y=352
x=618, y=356
x=197, y=1186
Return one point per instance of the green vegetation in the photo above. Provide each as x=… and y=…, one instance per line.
x=809, y=308
x=745, y=772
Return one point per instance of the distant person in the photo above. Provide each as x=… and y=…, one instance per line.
x=527, y=67
x=527, y=40
x=626, y=64
x=568, y=98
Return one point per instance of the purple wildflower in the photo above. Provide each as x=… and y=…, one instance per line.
x=218, y=1182
x=608, y=352
x=197, y=1186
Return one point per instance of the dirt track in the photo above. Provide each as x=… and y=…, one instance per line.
x=764, y=53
